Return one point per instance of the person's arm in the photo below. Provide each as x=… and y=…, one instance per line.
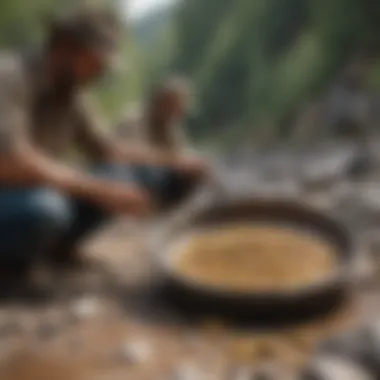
x=22, y=164
x=27, y=166
x=99, y=143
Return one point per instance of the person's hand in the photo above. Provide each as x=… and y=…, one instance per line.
x=119, y=198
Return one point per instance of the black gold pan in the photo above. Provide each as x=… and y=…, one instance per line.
x=284, y=305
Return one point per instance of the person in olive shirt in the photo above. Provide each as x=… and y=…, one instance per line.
x=159, y=125
x=46, y=205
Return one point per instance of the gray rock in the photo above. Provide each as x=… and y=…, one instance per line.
x=262, y=372
x=272, y=371
x=366, y=202
x=323, y=172
x=372, y=337
x=349, y=342
x=320, y=201
x=10, y=327
x=46, y=330
x=242, y=373
x=335, y=368
x=267, y=371
x=190, y=371
x=361, y=346
x=360, y=166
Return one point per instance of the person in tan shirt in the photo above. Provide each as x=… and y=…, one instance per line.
x=46, y=205
x=159, y=125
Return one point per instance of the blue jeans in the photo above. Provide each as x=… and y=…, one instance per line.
x=37, y=221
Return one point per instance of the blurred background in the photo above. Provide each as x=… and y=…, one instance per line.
x=273, y=79
x=260, y=68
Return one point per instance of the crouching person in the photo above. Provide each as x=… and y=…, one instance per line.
x=46, y=206
x=158, y=126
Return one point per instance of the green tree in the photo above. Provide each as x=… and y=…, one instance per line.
x=256, y=62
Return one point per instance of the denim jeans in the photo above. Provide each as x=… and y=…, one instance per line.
x=37, y=221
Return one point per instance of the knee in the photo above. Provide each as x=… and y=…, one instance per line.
x=48, y=210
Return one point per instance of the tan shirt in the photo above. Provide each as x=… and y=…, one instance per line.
x=28, y=110
x=138, y=130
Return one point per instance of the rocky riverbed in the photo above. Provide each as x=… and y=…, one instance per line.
x=107, y=322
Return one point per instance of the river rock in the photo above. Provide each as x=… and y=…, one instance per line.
x=263, y=372
x=84, y=309
x=135, y=352
x=10, y=326
x=191, y=371
x=335, y=368
x=323, y=172
x=361, y=346
x=368, y=200
x=46, y=330
x=242, y=373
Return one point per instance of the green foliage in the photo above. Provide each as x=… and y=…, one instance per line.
x=257, y=62
x=123, y=85
x=253, y=63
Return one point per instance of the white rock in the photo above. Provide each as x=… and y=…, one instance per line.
x=335, y=368
x=135, y=352
x=85, y=308
x=357, y=346
x=370, y=196
x=190, y=371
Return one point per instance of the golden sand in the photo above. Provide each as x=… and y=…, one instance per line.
x=256, y=258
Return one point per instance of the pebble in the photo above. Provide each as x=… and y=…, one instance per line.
x=263, y=372
x=10, y=327
x=134, y=352
x=373, y=239
x=335, y=368
x=46, y=330
x=321, y=174
x=372, y=339
x=361, y=346
x=373, y=245
x=345, y=343
x=360, y=166
x=190, y=371
x=367, y=201
x=244, y=373
x=84, y=309
x=321, y=201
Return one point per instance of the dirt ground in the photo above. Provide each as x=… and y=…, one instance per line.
x=108, y=325
x=107, y=322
